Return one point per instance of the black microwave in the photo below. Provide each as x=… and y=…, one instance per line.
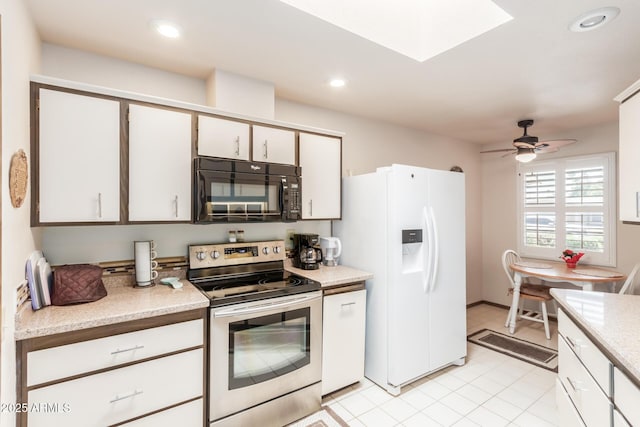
x=243, y=191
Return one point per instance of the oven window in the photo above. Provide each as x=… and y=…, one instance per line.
x=267, y=347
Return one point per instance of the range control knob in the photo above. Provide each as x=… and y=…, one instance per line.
x=276, y=249
x=215, y=254
x=201, y=255
x=265, y=250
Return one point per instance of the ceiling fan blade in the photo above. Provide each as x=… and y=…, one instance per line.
x=548, y=149
x=556, y=142
x=499, y=150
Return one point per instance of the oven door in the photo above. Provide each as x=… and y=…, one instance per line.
x=237, y=197
x=262, y=350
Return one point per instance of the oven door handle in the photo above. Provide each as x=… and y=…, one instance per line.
x=265, y=306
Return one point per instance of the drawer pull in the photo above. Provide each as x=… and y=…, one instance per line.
x=575, y=343
x=124, y=350
x=574, y=385
x=347, y=304
x=126, y=396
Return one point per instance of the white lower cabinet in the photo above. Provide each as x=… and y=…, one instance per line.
x=627, y=397
x=567, y=414
x=187, y=414
x=142, y=373
x=114, y=396
x=343, y=339
x=587, y=397
x=590, y=390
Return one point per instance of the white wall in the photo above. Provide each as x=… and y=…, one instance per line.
x=85, y=67
x=499, y=208
x=20, y=58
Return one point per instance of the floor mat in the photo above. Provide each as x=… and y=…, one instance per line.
x=535, y=354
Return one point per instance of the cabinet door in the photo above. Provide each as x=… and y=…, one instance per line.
x=629, y=153
x=320, y=159
x=567, y=414
x=121, y=394
x=343, y=340
x=627, y=396
x=274, y=145
x=79, y=158
x=223, y=138
x=159, y=164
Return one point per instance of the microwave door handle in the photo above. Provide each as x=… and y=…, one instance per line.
x=265, y=306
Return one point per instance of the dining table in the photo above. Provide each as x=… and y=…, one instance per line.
x=583, y=276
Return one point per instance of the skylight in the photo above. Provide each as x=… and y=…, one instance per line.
x=419, y=29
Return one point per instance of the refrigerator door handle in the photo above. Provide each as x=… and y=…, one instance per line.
x=436, y=249
x=427, y=270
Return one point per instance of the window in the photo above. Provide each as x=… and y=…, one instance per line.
x=568, y=203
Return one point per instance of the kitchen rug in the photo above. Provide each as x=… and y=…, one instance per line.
x=325, y=417
x=535, y=354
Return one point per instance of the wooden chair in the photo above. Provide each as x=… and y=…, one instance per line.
x=630, y=284
x=528, y=291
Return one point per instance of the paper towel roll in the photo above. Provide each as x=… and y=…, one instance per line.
x=143, y=255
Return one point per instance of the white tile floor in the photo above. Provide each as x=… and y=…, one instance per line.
x=491, y=389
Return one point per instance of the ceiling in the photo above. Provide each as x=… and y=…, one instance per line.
x=529, y=67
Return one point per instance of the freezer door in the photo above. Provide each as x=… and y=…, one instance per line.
x=408, y=299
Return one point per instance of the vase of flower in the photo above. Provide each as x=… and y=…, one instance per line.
x=571, y=258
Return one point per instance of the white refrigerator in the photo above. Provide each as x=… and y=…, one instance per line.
x=406, y=225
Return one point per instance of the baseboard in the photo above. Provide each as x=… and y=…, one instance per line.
x=552, y=316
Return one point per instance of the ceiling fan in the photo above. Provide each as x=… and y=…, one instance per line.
x=527, y=146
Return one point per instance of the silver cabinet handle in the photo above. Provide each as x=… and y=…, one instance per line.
x=99, y=205
x=637, y=203
x=125, y=350
x=126, y=396
x=311, y=207
x=266, y=149
x=176, y=202
x=237, y=146
x=347, y=304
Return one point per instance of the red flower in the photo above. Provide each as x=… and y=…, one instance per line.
x=569, y=256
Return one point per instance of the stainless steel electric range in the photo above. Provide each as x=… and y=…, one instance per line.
x=265, y=334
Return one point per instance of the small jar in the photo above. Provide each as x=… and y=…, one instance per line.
x=240, y=235
x=232, y=236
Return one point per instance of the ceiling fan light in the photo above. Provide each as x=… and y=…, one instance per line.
x=525, y=155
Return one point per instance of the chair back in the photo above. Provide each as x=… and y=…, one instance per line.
x=509, y=257
x=630, y=284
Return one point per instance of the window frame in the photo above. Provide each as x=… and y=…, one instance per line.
x=560, y=165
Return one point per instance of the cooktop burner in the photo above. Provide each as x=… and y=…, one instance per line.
x=230, y=290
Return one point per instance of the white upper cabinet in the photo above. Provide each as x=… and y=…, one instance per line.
x=274, y=145
x=79, y=158
x=629, y=155
x=223, y=138
x=320, y=159
x=159, y=164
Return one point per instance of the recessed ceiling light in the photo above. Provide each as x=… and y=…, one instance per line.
x=167, y=29
x=337, y=83
x=594, y=19
x=419, y=29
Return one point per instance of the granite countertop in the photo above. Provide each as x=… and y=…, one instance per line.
x=611, y=320
x=122, y=304
x=330, y=276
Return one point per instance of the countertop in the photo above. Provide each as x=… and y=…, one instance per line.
x=611, y=321
x=330, y=276
x=122, y=304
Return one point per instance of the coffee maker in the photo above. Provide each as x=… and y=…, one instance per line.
x=306, y=254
